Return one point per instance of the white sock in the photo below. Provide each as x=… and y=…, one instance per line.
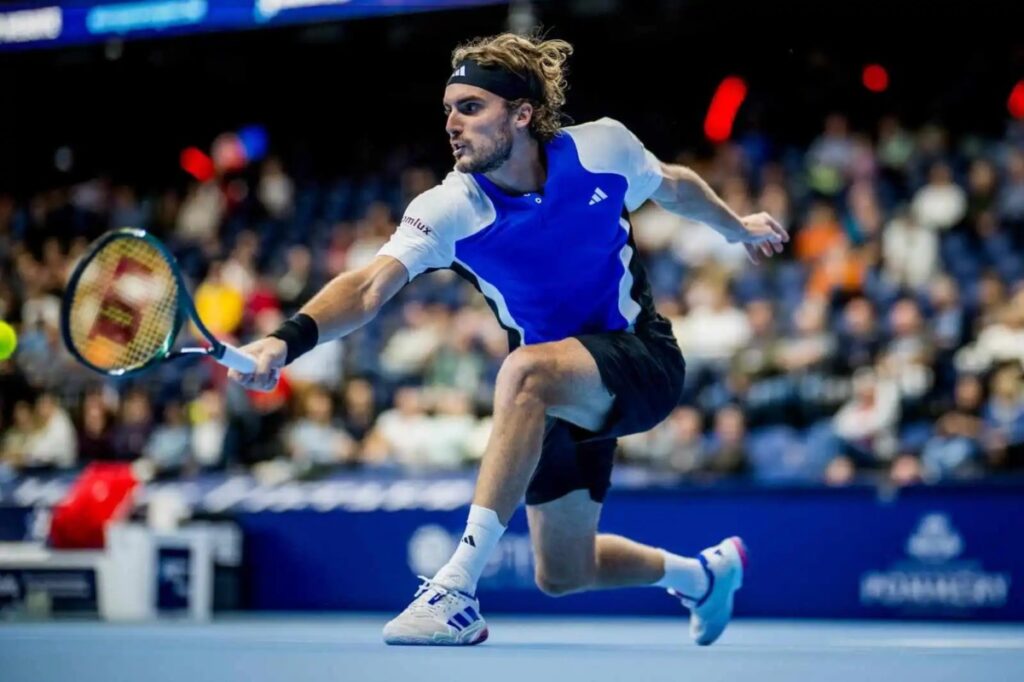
x=683, y=575
x=483, y=530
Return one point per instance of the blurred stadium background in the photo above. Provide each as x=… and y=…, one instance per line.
x=859, y=399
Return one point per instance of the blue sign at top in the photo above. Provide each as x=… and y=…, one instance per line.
x=42, y=25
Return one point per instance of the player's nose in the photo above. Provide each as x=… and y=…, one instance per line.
x=453, y=125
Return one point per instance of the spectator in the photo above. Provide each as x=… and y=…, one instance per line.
x=372, y=231
x=1004, y=418
x=448, y=433
x=458, y=363
x=910, y=252
x=757, y=359
x=398, y=435
x=831, y=155
x=200, y=214
x=13, y=447
x=358, y=407
x=982, y=188
x=209, y=428
x=714, y=329
x=909, y=352
x=411, y=347
x=866, y=424
x=858, y=336
x=134, y=426
x=276, y=191
x=297, y=285
x=949, y=319
x=238, y=272
x=53, y=444
x=96, y=437
x=811, y=347
x=169, y=448
x=676, y=444
x=955, y=449
x=727, y=450
x=316, y=440
x=941, y=203
x=1011, y=196
x=819, y=234
x=1001, y=341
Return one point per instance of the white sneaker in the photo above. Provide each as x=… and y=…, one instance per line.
x=438, y=616
x=724, y=564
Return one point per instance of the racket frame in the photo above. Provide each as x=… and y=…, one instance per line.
x=184, y=306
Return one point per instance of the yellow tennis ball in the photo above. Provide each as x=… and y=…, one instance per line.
x=8, y=340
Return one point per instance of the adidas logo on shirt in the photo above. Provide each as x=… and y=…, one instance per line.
x=468, y=539
x=599, y=195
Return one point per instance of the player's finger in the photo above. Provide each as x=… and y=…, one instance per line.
x=751, y=253
x=244, y=380
x=262, y=364
x=779, y=229
x=262, y=371
x=270, y=380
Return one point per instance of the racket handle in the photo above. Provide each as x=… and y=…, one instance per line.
x=236, y=360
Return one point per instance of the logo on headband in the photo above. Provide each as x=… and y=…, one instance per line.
x=461, y=71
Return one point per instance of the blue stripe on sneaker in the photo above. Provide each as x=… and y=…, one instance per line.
x=711, y=580
x=454, y=624
x=472, y=614
x=461, y=620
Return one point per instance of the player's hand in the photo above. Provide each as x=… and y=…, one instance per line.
x=764, y=236
x=269, y=354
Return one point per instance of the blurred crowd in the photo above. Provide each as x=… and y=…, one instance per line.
x=887, y=343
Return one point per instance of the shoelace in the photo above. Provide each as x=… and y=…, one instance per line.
x=438, y=608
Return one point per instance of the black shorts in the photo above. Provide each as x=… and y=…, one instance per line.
x=644, y=372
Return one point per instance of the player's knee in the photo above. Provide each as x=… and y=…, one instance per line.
x=527, y=373
x=561, y=585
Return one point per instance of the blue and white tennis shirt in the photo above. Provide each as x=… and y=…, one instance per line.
x=551, y=264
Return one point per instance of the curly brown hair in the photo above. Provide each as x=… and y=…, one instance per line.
x=524, y=55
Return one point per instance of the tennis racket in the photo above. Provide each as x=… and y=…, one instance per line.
x=125, y=304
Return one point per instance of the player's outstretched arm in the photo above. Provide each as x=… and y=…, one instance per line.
x=685, y=193
x=343, y=305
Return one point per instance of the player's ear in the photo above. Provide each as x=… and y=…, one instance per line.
x=523, y=115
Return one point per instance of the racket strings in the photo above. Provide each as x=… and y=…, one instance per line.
x=125, y=306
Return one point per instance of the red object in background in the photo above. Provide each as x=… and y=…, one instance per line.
x=197, y=164
x=1016, y=102
x=102, y=493
x=724, y=105
x=875, y=78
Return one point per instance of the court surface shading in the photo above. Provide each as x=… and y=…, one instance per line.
x=337, y=648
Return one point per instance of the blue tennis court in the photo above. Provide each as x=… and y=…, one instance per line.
x=349, y=648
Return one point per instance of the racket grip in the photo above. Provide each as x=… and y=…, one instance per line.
x=236, y=360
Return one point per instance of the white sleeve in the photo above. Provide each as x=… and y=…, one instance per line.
x=608, y=146
x=643, y=171
x=426, y=236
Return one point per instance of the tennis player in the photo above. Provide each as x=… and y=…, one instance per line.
x=536, y=216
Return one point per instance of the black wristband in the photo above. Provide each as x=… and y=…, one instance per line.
x=301, y=335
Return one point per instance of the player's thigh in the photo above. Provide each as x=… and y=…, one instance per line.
x=567, y=376
x=562, y=532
